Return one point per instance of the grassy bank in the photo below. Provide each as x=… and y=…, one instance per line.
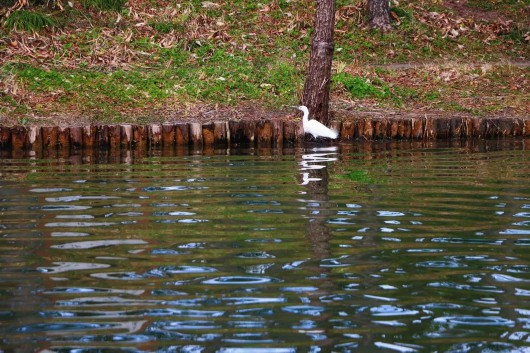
x=166, y=60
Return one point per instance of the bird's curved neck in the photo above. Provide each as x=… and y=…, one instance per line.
x=305, y=118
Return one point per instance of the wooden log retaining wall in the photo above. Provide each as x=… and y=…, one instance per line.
x=252, y=133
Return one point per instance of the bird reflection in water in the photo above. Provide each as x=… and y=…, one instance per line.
x=313, y=168
x=315, y=161
x=314, y=179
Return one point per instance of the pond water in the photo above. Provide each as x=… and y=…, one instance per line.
x=376, y=247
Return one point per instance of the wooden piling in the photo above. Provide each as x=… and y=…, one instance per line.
x=518, y=127
x=491, y=127
x=196, y=137
x=5, y=138
x=392, y=128
x=399, y=130
x=34, y=139
x=417, y=128
x=476, y=127
x=464, y=128
x=506, y=127
x=89, y=137
x=527, y=127
x=63, y=138
x=429, y=132
x=405, y=129
x=126, y=136
x=367, y=129
x=50, y=137
x=114, y=133
x=242, y=132
x=293, y=132
x=154, y=132
x=277, y=132
x=139, y=141
x=19, y=138
x=249, y=131
x=456, y=124
x=336, y=125
x=220, y=134
x=261, y=133
x=208, y=134
x=443, y=128
x=380, y=126
x=102, y=136
x=168, y=135
x=347, y=130
x=264, y=133
x=76, y=138
x=182, y=134
x=235, y=131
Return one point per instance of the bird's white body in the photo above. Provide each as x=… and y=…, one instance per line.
x=314, y=127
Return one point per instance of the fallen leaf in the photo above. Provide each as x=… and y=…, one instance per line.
x=209, y=4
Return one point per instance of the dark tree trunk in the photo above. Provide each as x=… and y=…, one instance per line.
x=316, y=88
x=379, y=14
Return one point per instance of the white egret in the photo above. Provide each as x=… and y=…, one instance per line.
x=314, y=127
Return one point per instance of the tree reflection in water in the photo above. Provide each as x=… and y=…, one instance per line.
x=314, y=176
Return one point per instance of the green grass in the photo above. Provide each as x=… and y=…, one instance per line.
x=166, y=27
x=359, y=87
x=105, y=5
x=220, y=77
x=29, y=21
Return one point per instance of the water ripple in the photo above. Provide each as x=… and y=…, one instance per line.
x=174, y=213
x=256, y=255
x=43, y=190
x=468, y=241
x=124, y=276
x=173, y=188
x=399, y=347
x=441, y=264
x=490, y=289
x=70, y=326
x=84, y=290
x=255, y=350
x=390, y=214
x=97, y=243
x=391, y=310
x=80, y=197
x=233, y=280
x=252, y=300
x=506, y=278
x=64, y=208
x=474, y=321
x=80, y=224
x=185, y=220
x=299, y=289
x=168, y=252
x=164, y=271
x=71, y=266
x=69, y=234
x=304, y=310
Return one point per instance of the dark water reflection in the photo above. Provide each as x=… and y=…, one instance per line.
x=383, y=247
